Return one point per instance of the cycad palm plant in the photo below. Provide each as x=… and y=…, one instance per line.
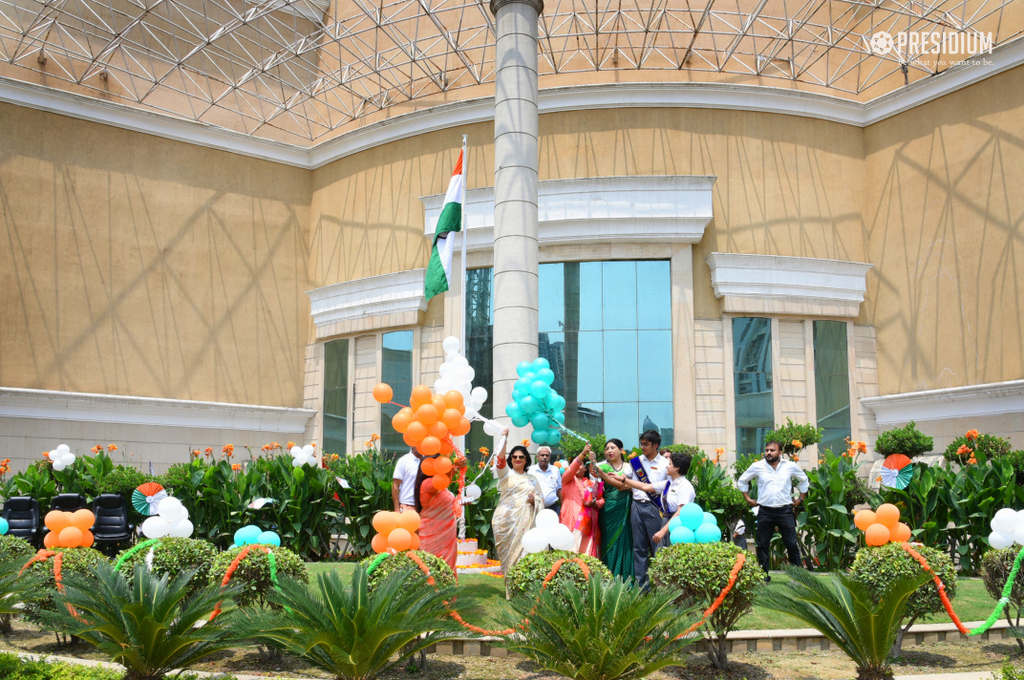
x=350, y=631
x=150, y=626
x=845, y=613
x=15, y=590
x=603, y=631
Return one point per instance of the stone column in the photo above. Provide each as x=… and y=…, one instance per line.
x=515, y=195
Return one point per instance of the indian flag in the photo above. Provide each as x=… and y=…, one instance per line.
x=439, y=271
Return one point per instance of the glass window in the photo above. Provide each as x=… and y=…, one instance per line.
x=654, y=295
x=479, y=326
x=336, y=397
x=752, y=374
x=396, y=370
x=619, y=300
x=832, y=383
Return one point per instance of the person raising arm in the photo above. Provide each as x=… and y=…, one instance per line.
x=677, y=489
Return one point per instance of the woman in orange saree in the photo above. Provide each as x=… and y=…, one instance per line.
x=437, y=517
x=582, y=498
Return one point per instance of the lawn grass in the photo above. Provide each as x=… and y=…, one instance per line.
x=485, y=596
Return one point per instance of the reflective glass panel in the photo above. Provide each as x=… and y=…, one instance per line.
x=653, y=295
x=752, y=376
x=336, y=397
x=832, y=384
x=587, y=293
x=622, y=420
x=620, y=369
x=552, y=308
x=479, y=326
x=619, y=285
x=657, y=415
x=396, y=370
x=654, y=381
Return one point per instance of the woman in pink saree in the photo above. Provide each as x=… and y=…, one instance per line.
x=582, y=497
x=437, y=517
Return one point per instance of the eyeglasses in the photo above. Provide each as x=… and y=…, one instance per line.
x=518, y=457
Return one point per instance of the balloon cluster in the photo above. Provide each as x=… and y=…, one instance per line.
x=303, y=455
x=396, y=530
x=69, y=529
x=171, y=520
x=251, y=534
x=430, y=421
x=438, y=472
x=61, y=457
x=548, y=532
x=693, y=525
x=1007, y=528
x=534, y=402
x=457, y=374
x=882, y=525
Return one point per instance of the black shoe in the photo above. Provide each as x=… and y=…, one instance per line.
x=767, y=579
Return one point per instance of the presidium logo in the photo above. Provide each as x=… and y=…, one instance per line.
x=920, y=43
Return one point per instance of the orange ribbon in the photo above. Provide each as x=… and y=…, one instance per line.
x=941, y=588
x=741, y=557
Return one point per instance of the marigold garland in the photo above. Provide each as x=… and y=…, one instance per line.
x=741, y=557
x=234, y=566
x=40, y=556
x=58, y=565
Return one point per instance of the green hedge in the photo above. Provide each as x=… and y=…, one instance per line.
x=253, y=572
x=12, y=546
x=995, y=569
x=74, y=561
x=877, y=568
x=530, y=571
x=174, y=556
x=14, y=667
x=439, y=569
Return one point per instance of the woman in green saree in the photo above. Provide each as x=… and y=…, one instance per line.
x=616, y=534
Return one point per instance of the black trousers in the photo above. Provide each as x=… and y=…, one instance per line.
x=767, y=520
x=645, y=520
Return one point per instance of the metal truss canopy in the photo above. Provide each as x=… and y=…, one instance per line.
x=304, y=70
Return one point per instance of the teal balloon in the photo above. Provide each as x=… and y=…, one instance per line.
x=554, y=436
x=528, y=405
x=512, y=410
x=539, y=421
x=557, y=402
x=710, y=519
x=674, y=523
x=560, y=417
x=523, y=386
x=708, y=533
x=540, y=363
x=523, y=368
x=681, y=535
x=539, y=389
x=540, y=436
x=268, y=538
x=547, y=375
x=530, y=376
x=247, y=534
x=517, y=395
x=692, y=516
x=4, y=526
x=522, y=421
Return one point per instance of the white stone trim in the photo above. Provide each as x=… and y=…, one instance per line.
x=572, y=98
x=642, y=209
x=373, y=296
x=987, y=399
x=780, y=285
x=113, y=408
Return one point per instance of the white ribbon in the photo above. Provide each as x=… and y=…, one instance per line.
x=154, y=501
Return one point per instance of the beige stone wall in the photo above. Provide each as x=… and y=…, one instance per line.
x=140, y=266
x=943, y=215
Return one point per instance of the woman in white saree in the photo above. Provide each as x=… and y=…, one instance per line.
x=520, y=500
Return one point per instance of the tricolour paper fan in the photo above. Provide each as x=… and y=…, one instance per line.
x=897, y=471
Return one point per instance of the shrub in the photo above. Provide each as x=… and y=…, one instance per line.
x=995, y=569
x=989, y=446
x=878, y=568
x=14, y=667
x=700, y=572
x=13, y=547
x=793, y=432
x=439, y=569
x=369, y=477
x=253, y=573
x=74, y=562
x=174, y=556
x=906, y=440
x=572, y=446
x=530, y=571
x=1009, y=672
x=744, y=461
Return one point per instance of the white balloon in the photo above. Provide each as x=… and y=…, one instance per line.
x=561, y=537
x=998, y=540
x=479, y=394
x=1018, y=535
x=59, y=465
x=155, y=527
x=67, y=459
x=547, y=518
x=181, y=529
x=491, y=428
x=534, y=541
x=296, y=451
x=309, y=450
x=472, y=492
x=1005, y=521
x=459, y=360
x=451, y=344
x=446, y=370
x=470, y=413
x=52, y=455
x=63, y=448
x=171, y=510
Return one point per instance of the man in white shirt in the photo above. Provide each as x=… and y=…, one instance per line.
x=644, y=516
x=550, y=479
x=775, y=502
x=403, y=484
x=676, y=489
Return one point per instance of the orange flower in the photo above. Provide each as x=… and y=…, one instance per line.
x=265, y=448
x=111, y=447
x=878, y=478
x=484, y=450
x=290, y=445
x=798, y=444
x=821, y=461
x=964, y=449
x=97, y=448
x=972, y=435
x=274, y=446
x=526, y=442
x=972, y=461
x=208, y=451
x=862, y=447
x=195, y=453
x=334, y=456
x=373, y=438
x=236, y=467
x=795, y=457
x=228, y=450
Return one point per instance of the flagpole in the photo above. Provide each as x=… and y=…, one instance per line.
x=462, y=222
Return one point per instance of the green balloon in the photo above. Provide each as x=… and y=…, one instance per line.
x=539, y=389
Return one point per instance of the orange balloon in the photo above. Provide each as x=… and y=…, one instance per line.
x=451, y=417
x=439, y=403
x=69, y=537
x=420, y=396
x=443, y=466
x=50, y=539
x=416, y=432
x=409, y=520
x=399, y=539
x=379, y=543
x=454, y=399
x=87, y=539
x=887, y=514
x=415, y=545
x=901, y=534
x=409, y=440
x=427, y=465
x=383, y=393
x=437, y=429
x=463, y=428
x=446, y=446
x=430, y=445
x=877, y=534
x=441, y=482
x=56, y=520
x=426, y=414
x=83, y=519
x=400, y=421
x=385, y=522
x=864, y=519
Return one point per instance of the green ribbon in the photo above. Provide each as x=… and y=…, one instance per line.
x=1004, y=600
x=131, y=551
x=376, y=563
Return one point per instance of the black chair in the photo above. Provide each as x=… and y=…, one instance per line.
x=111, y=527
x=22, y=515
x=69, y=502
